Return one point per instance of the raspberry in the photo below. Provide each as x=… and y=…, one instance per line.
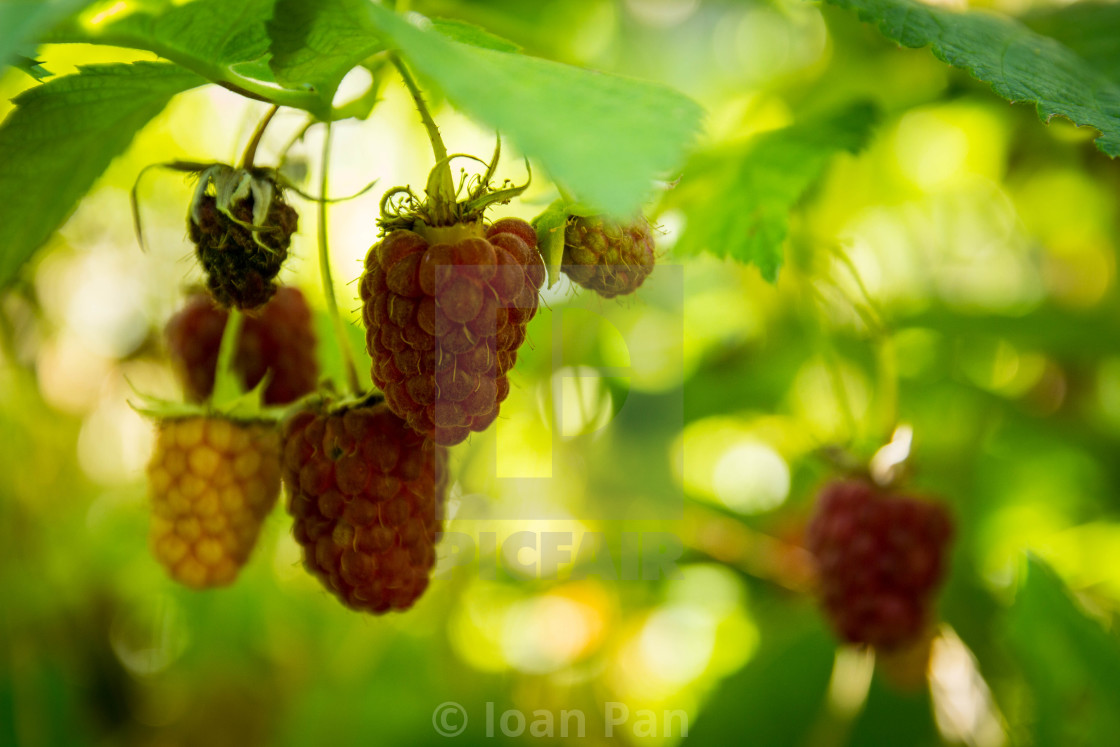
x=880, y=559
x=279, y=338
x=212, y=483
x=445, y=311
x=240, y=262
x=607, y=256
x=367, y=495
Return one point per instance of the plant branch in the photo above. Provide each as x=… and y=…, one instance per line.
x=216, y=73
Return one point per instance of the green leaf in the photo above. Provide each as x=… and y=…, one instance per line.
x=468, y=33
x=776, y=698
x=759, y=184
x=224, y=42
x=316, y=42
x=34, y=68
x=62, y=135
x=22, y=20
x=1089, y=29
x=1020, y=65
x=605, y=138
x=891, y=717
x=1068, y=659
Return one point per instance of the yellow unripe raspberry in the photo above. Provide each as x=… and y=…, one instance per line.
x=208, y=475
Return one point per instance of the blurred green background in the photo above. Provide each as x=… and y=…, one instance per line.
x=958, y=276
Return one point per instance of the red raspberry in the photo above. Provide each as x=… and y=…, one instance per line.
x=367, y=494
x=279, y=338
x=212, y=482
x=607, y=256
x=880, y=558
x=445, y=312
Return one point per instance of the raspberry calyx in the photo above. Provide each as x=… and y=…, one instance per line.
x=242, y=228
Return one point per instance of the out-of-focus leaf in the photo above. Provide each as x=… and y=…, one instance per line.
x=1019, y=64
x=315, y=43
x=737, y=201
x=1070, y=662
x=891, y=717
x=468, y=33
x=604, y=137
x=1090, y=29
x=62, y=135
x=22, y=20
x=777, y=697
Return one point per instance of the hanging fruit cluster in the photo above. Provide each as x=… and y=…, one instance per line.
x=446, y=299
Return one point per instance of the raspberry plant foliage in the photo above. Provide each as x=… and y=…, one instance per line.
x=642, y=128
x=293, y=54
x=651, y=124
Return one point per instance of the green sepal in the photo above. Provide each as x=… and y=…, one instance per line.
x=550, y=226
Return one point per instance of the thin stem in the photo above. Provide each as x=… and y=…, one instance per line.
x=886, y=363
x=227, y=385
x=325, y=271
x=445, y=186
x=311, y=121
x=833, y=365
x=251, y=148
x=877, y=325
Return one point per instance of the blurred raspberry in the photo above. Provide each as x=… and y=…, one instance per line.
x=880, y=558
x=607, y=256
x=239, y=270
x=367, y=494
x=278, y=338
x=444, y=320
x=212, y=483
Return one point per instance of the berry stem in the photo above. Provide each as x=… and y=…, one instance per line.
x=251, y=149
x=886, y=363
x=325, y=271
x=444, y=186
x=311, y=122
x=227, y=387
